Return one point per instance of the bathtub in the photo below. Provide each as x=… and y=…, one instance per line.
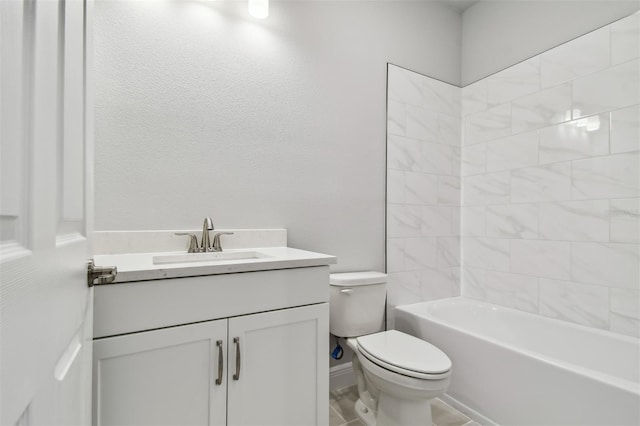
x=515, y=368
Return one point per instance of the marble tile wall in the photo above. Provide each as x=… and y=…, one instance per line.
x=423, y=188
x=550, y=186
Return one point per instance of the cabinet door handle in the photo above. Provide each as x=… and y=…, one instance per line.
x=236, y=376
x=220, y=362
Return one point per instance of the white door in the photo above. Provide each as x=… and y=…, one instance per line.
x=45, y=211
x=174, y=376
x=281, y=368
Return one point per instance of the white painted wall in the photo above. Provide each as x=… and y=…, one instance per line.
x=201, y=110
x=497, y=34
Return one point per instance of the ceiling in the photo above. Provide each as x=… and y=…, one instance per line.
x=459, y=5
x=456, y=5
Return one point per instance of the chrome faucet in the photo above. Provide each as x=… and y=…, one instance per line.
x=205, y=242
x=207, y=226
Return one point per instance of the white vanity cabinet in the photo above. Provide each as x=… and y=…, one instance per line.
x=160, y=377
x=169, y=374
x=283, y=371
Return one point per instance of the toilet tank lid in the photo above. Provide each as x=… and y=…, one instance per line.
x=357, y=278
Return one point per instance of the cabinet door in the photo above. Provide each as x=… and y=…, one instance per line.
x=161, y=377
x=283, y=368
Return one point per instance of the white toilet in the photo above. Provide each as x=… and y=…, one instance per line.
x=398, y=375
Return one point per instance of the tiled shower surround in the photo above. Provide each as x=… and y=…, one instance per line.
x=423, y=188
x=550, y=187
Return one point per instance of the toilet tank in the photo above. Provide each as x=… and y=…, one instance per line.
x=356, y=303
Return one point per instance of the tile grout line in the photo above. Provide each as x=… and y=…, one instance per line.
x=338, y=414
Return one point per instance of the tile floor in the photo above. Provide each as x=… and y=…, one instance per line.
x=342, y=413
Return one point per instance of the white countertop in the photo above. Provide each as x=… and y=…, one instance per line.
x=140, y=266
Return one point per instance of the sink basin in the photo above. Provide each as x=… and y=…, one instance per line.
x=223, y=256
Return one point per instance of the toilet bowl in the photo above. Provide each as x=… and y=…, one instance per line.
x=402, y=388
x=397, y=374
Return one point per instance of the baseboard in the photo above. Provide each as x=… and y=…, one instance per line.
x=341, y=376
x=469, y=412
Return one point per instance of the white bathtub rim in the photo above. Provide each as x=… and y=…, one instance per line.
x=594, y=330
x=623, y=384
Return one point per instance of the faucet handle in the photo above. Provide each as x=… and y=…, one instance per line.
x=216, y=240
x=193, y=241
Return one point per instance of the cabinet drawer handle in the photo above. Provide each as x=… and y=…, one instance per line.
x=236, y=376
x=220, y=362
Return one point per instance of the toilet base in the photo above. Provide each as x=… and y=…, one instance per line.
x=365, y=415
x=394, y=411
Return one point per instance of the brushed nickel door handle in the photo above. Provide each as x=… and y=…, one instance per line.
x=220, y=363
x=236, y=376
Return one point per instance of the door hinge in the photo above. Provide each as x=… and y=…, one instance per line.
x=100, y=274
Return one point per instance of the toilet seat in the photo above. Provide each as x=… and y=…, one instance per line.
x=405, y=354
